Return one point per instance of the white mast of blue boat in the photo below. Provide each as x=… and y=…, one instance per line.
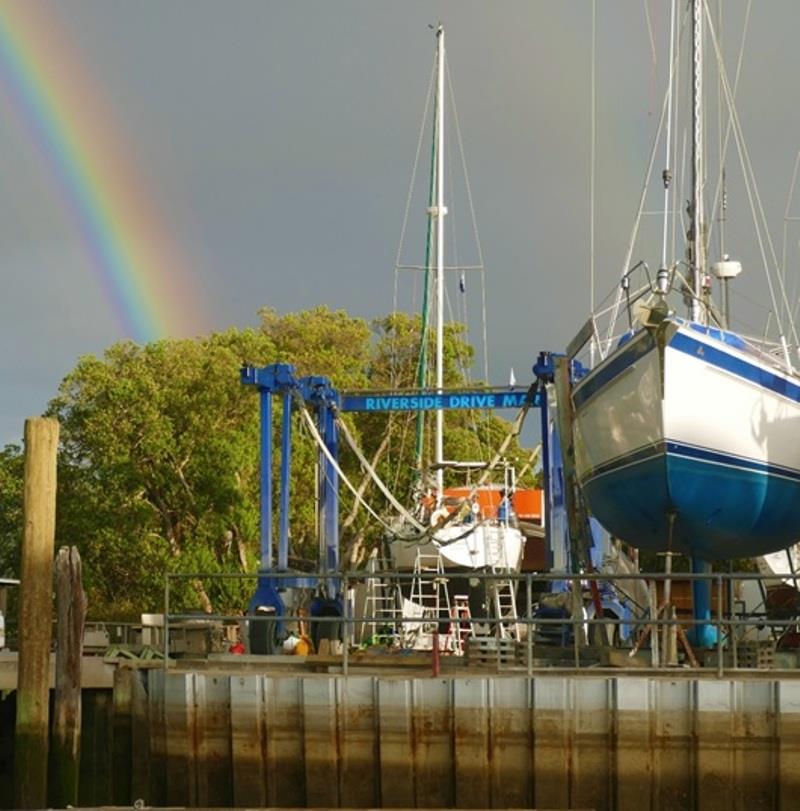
x=697, y=215
x=439, y=211
x=663, y=272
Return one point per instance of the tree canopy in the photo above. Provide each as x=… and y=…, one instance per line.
x=158, y=464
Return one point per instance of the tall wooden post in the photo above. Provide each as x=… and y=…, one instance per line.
x=71, y=613
x=35, y=614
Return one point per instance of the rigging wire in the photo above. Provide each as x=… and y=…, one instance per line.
x=637, y=221
x=677, y=208
x=514, y=431
x=653, y=55
x=465, y=373
x=411, y=184
x=723, y=207
x=452, y=218
x=786, y=220
x=532, y=460
x=681, y=212
x=486, y=441
x=636, y=224
x=592, y=172
x=668, y=145
x=718, y=190
x=461, y=314
x=335, y=464
x=756, y=206
x=345, y=431
x=468, y=189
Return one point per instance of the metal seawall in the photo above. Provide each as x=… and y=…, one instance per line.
x=554, y=741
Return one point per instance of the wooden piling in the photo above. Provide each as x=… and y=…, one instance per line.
x=35, y=613
x=71, y=614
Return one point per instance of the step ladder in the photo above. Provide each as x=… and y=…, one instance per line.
x=502, y=590
x=431, y=598
x=461, y=627
x=383, y=607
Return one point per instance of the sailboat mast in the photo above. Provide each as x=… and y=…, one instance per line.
x=439, y=214
x=698, y=170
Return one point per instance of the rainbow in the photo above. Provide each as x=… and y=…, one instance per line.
x=144, y=276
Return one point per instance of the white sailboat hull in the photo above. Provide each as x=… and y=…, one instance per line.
x=466, y=546
x=682, y=424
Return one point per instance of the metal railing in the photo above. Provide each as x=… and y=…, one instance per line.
x=730, y=628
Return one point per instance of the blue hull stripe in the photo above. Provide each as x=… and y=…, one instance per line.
x=632, y=352
x=741, y=368
x=714, y=356
x=696, y=452
x=741, y=462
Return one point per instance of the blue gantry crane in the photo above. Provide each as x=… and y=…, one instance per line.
x=569, y=536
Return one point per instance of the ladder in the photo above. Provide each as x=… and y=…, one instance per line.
x=502, y=589
x=430, y=595
x=384, y=604
x=461, y=627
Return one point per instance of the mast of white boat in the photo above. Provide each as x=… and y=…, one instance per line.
x=697, y=215
x=663, y=271
x=439, y=211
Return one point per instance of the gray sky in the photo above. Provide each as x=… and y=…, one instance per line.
x=276, y=140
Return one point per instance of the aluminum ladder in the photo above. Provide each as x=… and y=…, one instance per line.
x=503, y=589
x=383, y=608
x=430, y=593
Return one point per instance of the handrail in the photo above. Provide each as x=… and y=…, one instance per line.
x=730, y=629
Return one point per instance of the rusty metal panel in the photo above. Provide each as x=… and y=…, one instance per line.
x=788, y=706
x=510, y=742
x=433, y=750
x=396, y=755
x=471, y=742
x=592, y=743
x=143, y=736
x=755, y=745
x=181, y=744
x=320, y=734
x=714, y=710
x=248, y=741
x=634, y=732
x=673, y=744
x=550, y=741
x=358, y=742
x=283, y=719
x=213, y=767
x=158, y=738
x=552, y=736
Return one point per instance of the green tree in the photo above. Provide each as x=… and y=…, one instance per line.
x=158, y=466
x=159, y=461
x=11, y=462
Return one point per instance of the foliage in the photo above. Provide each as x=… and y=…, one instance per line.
x=158, y=466
x=10, y=509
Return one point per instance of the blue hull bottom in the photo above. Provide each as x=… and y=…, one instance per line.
x=720, y=511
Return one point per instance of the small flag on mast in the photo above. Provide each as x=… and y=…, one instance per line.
x=512, y=379
x=462, y=283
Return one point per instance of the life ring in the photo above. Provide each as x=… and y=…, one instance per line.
x=438, y=517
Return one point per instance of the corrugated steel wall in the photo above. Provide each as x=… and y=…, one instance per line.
x=552, y=741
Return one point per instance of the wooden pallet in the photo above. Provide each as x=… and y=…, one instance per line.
x=489, y=650
x=759, y=655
